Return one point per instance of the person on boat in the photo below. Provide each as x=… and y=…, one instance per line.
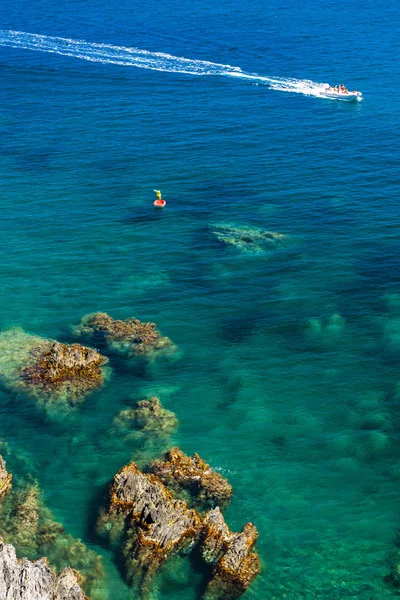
x=158, y=194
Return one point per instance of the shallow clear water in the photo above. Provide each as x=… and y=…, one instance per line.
x=298, y=409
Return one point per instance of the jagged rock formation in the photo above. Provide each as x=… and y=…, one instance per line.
x=147, y=525
x=5, y=478
x=235, y=564
x=129, y=338
x=28, y=525
x=178, y=471
x=48, y=371
x=151, y=524
x=27, y=580
x=246, y=237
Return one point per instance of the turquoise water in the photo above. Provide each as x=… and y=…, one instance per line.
x=288, y=361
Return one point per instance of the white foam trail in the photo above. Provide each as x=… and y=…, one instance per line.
x=157, y=61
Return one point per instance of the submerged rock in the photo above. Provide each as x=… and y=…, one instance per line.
x=129, y=338
x=149, y=416
x=181, y=472
x=246, y=237
x=26, y=523
x=35, y=580
x=46, y=370
x=144, y=429
x=151, y=524
x=231, y=554
x=5, y=478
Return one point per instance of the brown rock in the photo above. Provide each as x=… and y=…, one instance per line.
x=60, y=369
x=130, y=337
x=5, y=478
x=178, y=471
x=156, y=524
x=238, y=565
x=215, y=537
x=50, y=372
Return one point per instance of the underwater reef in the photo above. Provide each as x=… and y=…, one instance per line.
x=27, y=524
x=246, y=238
x=147, y=427
x=149, y=417
x=35, y=580
x=180, y=472
x=127, y=338
x=146, y=525
x=152, y=514
x=48, y=371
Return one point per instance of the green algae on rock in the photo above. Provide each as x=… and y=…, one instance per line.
x=127, y=338
x=35, y=580
x=247, y=238
x=48, y=371
x=181, y=472
x=28, y=525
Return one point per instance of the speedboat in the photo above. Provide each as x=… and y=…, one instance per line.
x=347, y=96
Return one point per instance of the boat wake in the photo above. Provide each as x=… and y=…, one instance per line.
x=143, y=59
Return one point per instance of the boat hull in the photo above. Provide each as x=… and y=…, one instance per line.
x=350, y=97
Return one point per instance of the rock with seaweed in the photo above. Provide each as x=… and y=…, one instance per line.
x=128, y=338
x=148, y=523
x=148, y=417
x=5, y=478
x=181, y=472
x=144, y=430
x=48, y=371
x=235, y=565
x=28, y=525
x=246, y=238
x=35, y=580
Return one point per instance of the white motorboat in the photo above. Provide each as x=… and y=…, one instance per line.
x=346, y=96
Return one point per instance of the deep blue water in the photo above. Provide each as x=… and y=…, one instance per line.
x=298, y=409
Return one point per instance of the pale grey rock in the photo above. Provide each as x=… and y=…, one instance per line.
x=35, y=580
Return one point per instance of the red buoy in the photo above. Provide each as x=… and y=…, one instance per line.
x=159, y=203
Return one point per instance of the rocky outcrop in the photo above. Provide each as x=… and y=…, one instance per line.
x=61, y=370
x=5, y=478
x=28, y=525
x=35, y=580
x=181, y=472
x=246, y=237
x=46, y=370
x=215, y=536
x=147, y=525
x=129, y=338
x=154, y=526
x=235, y=564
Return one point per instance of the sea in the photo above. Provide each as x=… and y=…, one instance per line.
x=287, y=369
